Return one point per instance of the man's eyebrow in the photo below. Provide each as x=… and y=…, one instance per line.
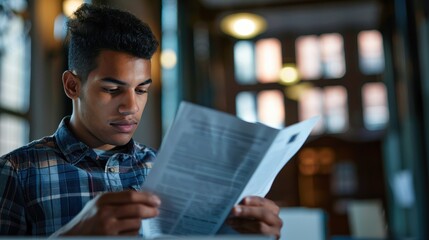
x=119, y=82
x=149, y=81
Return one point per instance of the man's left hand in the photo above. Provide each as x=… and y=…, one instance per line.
x=256, y=215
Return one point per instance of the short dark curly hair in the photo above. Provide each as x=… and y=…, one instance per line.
x=94, y=28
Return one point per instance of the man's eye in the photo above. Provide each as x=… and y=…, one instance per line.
x=141, y=91
x=111, y=90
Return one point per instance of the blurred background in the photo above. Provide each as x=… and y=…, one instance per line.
x=362, y=65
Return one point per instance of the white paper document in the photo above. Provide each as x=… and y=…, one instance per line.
x=208, y=162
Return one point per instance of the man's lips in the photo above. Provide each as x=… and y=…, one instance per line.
x=124, y=126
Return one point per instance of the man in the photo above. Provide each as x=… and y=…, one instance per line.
x=81, y=180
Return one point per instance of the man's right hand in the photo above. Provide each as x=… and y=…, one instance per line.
x=115, y=213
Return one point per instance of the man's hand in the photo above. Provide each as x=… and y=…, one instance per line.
x=256, y=215
x=116, y=213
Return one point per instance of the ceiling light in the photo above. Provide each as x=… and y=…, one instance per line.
x=168, y=58
x=243, y=25
x=288, y=74
x=70, y=6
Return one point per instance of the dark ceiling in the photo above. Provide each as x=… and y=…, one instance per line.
x=301, y=16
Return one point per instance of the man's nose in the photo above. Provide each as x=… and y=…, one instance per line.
x=129, y=104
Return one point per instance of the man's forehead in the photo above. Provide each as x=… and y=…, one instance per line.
x=112, y=61
x=116, y=53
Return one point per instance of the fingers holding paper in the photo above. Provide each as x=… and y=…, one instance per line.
x=115, y=213
x=256, y=215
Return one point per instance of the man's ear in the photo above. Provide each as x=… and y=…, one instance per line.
x=71, y=84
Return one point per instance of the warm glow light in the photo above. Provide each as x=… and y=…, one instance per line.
x=168, y=58
x=243, y=25
x=294, y=92
x=288, y=74
x=70, y=6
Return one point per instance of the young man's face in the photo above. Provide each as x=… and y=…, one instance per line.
x=112, y=100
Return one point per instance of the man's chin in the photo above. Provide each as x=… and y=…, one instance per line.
x=120, y=141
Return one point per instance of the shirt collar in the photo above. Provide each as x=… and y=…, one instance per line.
x=75, y=150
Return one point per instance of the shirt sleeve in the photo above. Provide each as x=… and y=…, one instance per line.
x=12, y=204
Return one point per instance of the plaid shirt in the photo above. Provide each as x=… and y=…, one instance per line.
x=44, y=184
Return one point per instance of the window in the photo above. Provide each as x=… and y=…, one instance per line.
x=14, y=90
x=14, y=132
x=271, y=108
x=246, y=106
x=335, y=108
x=375, y=111
x=266, y=107
x=371, y=54
x=325, y=88
x=330, y=103
x=14, y=76
x=320, y=56
x=244, y=62
x=310, y=104
x=308, y=57
x=332, y=55
x=268, y=60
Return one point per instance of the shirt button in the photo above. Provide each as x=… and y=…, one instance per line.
x=112, y=170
